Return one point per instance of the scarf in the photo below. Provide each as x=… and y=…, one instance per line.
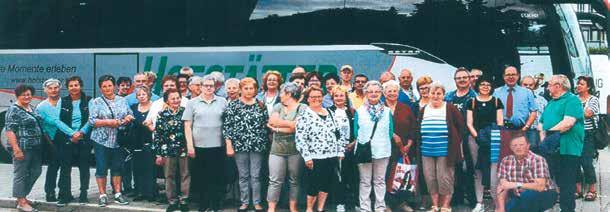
x=375, y=111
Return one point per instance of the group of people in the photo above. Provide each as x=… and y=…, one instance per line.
x=342, y=134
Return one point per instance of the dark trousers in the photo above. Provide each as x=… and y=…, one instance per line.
x=532, y=201
x=144, y=172
x=346, y=188
x=127, y=173
x=321, y=177
x=69, y=154
x=209, y=172
x=587, y=174
x=566, y=180
x=52, y=160
x=464, y=178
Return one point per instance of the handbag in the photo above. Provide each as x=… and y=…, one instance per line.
x=405, y=176
x=600, y=133
x=123, y=134
x=363, y=153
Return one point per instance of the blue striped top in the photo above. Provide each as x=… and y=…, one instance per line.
x=434, y=133
x=495, y=145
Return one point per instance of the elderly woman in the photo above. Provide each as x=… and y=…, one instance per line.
x=483, y=116
x=170, y=149
x=441, y=127
x=246, y=138
x=319, y=141
x=404, y=127
x=143, y=156
x=313, y=79
x=585, y=90
x=284, y=159
x=232, y=86
x=203, y=129
x=108, y=113
x=373, y=123
x=348, y=180
x=24, y=133
x=423, y=88
x=270, y=95
x=194, y=86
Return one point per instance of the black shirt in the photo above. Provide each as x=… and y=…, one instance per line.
x=484, y=113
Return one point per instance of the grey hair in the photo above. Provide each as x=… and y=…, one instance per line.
x=391, y=83
x=144, y=88
x=218, y=77
x=195, y=80
x=187, y=70
x=50, y=82
x=232, y=81
x=437, y=85
x=563, y=80
x=372, y=83
x=208, y=77
x=292, y=89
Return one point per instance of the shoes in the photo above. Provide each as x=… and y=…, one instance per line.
x=103, y=200
x=172, y=207
x=406, y=208
x=63, y=202
x=184, y=207
x=82, y=198
x=120, y=199
x=478, y=208
x=26, y=209
x=51, y=197
x=340, y=208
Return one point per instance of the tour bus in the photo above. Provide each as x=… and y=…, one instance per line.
x=429, y=37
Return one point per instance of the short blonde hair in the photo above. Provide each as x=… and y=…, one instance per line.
x=248, y=81
x=423, y=80
x=277, y=74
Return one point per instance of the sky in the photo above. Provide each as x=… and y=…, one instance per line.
x=289, y=7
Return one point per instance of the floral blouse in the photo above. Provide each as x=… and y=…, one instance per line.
x=246, y=126
x=169, y=140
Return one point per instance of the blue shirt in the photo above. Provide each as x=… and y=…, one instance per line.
x=523, y=103
x=132, y=100
x=408, y=98
x=98, y=110
x=50, y=116
x=327, y=101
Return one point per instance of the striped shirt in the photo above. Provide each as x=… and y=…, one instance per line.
x=434, y=132
x=592, y=104
x=495, y=145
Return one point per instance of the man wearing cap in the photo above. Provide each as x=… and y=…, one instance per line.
x=346, y=74
x=49, y=111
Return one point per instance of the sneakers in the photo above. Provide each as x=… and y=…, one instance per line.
x=340, y=208
x=478, y=208
x=119, y=199
x=103, y=200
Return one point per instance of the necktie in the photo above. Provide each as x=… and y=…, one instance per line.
x=509, y=103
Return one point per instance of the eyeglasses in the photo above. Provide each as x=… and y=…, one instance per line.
x=485, y=84
x=360, y=81
x=424, y=88
x=461, y=78
x=207, y=86
x=315, y=97
x=510, y=75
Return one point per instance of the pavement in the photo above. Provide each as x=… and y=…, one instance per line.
x=7, y=203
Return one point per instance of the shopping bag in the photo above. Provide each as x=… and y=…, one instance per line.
x=405, y=176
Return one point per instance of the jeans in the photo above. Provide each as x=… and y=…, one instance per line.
x=347, y=186
x=279, y=167
x=587, y=174
x=107, y=158
x=533, y=138
x=566, y=180
x=249, y=168
x=26, y=171
x=532, y=201
x=373, y=172
x=144, y=172
x=50, y=182
x=69, y=153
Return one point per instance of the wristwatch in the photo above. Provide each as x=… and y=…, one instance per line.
x=519, y=185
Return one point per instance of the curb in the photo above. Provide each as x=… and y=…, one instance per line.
x=47, y=206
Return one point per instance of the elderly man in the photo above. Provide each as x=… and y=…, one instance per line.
x=519, y=108
x=194, y=86
x=564, y=115
x=533, y=134
x=525, y=183
x=140, y=79
x=386, y=76
x=406, y=95
x=475, y=74
x=460, y=98
x=346, y=74
x=219, y=79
